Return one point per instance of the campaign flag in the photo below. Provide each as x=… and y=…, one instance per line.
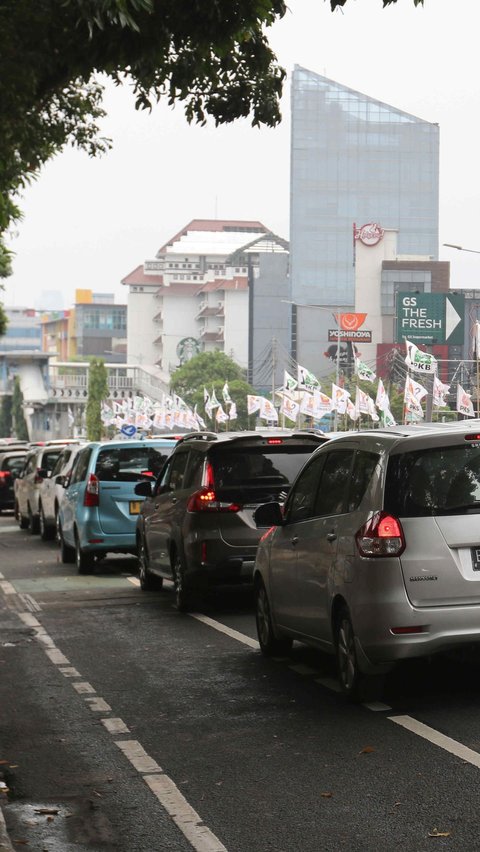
x=208, y=408
x=221, y=416
x=381, y=400
x=268, y=410
x=440, y=391
x=323, y=404
x=388, y=418
x=307, y=404
x=414, y=390
x=226, y=393
x=362, y=405
x=476, y=340
x=232, y=413
x=213, y=400
x=289, y=383
x=352, y=410
x=71, y=418
x=206, y=395
x=363, y=371
x=372, y=410
x=340, y=397
x=253, y=403
x=289, y=408
x=421, y=362
x=201, y=423
x=306, y=380
x=464, y=402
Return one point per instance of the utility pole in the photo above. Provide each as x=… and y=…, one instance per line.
x=274, y=366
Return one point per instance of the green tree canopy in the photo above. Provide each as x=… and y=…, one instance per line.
x=211, y=370
x=18, y=418
x=97, y=392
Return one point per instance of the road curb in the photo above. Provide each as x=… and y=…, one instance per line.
x=5, y=845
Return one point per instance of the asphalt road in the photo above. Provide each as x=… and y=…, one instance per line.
x=127, y=726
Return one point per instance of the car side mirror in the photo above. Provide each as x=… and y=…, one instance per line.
x=144, y=488
x=268, y=515
x=60, y=479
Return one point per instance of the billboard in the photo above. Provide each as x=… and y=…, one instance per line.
x=431, y=318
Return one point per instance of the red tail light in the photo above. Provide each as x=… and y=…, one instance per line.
x=5, y=476
x=381, y=536
x=92, y=489
x=205, y=500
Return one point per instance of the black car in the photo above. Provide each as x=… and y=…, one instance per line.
x=11, y=462
x=196, y=525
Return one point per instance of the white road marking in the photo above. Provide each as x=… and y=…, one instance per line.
x=115, y=726
x=228, y=631
x=183, y=815
x=138, y=757
x=134, y=580
x=463, y=752
x=10, y=528
x=98, y=705
x=376, y=706
x=7, y=588
x=57, y=657
x=83, y=688
x=30, y=602
x=29, y=619
x=69, y=671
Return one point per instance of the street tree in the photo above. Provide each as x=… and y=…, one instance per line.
x=210, y=370
x=19, y=424
x=97, y=392
x=6, y=417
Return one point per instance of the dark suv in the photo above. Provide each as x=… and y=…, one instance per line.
x=196, y=525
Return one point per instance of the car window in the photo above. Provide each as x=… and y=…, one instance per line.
x=275, y=465
x=301, y=500
x=31, y=464
x=177, y=471
x=61, y=461
x=14, y=465
x=80, y=466
x=334, y=483
x=129, y=464
x=363, y=468
x=193, y=476
x=49, y=459
x=434, y=481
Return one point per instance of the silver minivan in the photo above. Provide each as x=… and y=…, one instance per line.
x=375, y=556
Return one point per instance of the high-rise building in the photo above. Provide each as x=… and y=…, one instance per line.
x=355, y=160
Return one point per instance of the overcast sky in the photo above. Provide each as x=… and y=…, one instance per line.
x=88, y=222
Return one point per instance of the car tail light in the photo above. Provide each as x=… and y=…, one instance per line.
x=92, y=490
x=5, y=475
x=382, y=535
x=274, y=441
x=206, y=500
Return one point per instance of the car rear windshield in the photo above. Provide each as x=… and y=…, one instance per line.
x=437, y=481
x=266, y=468
x=49, y=459
x=130, y=464
x=14, y=464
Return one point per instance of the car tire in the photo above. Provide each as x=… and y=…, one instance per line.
x=148, y=582
x=46, y=532
x=84, y=561
x=270, y=645
x=355, y=684
x=22, y=520
x=33, y=522
x=67, y=553
x=183, y=594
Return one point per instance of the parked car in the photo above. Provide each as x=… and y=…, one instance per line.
x=39, y=463
x=11, y=462
x=99, y=509
x=52, y=490
x=196, y=525
x=376, y=555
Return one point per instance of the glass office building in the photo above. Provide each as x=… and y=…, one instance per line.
x=354, y=160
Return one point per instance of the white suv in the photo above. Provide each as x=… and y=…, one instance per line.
x=52, y=489
x=376, y=555
x=39, y=462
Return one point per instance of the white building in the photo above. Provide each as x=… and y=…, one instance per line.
x=194, y=296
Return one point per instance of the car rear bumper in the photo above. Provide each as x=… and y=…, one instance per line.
x=214, y=563
x=94, y=541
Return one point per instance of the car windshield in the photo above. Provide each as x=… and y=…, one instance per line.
x=129, y=464
x=438, y=481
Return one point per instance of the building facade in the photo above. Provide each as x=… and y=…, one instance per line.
x=23, y=332
x=195, y=296
x=355, y=160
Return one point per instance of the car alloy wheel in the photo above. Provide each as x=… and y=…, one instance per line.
x=270, y=645
x=355, y=684
x=148, y=581
x=183, y=596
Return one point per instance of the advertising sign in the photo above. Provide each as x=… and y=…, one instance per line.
x=432, y=318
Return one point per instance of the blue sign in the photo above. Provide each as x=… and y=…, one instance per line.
x=129, y=431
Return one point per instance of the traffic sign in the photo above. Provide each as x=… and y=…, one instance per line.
x=128, y=431
x=432, y=318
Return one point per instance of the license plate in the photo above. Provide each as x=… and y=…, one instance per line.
x=135, y=509
x=476, y=558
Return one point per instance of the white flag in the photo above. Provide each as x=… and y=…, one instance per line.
x=363, y=371
x=253, y=403
x=421, y=362
x=232, y=412
x=352, y=410
x=289, y=383
x=214, y=403
x=381, y=400
x=464, y=402
x=439, y=392
x=226, y=393
x=221, y=416
x=340, y=398
x=306, y=380
x=289, y=408
x=414, y=390
x=71, y=418
x=268, y=410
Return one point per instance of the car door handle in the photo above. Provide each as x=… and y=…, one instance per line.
x=294, y=540
x=331, y=536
